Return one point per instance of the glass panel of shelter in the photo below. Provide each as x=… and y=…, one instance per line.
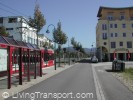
x=15, y=61
x=15, y=67
x=37, y=60
x=25, y=61
x=3, y=67
x=34, y=63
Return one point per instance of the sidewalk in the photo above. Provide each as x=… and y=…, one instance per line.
x=47, y=73
x=110, y=86
x=128, y=64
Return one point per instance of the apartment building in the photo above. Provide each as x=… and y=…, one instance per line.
x=114, y=33
x=18, y=28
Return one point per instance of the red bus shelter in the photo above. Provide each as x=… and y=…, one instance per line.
x=22, y=58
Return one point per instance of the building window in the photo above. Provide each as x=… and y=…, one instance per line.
x=116, y=35
x=124, y=34
x=129, y=44
x=31, y=40
x=122, y=17
x=111, y=25
x=12, y=20
x=123, y=25
x=9, y=29
x=105, y=43
x=113, y=45
x=115, y=25
x=132, y=25
x=111, y=35
x=110, y=17
x=1, y=20
x=104, y=35
x=121, y=43
x=131, y=18
x=132, y=34
x=104, y=27
x=28, y=39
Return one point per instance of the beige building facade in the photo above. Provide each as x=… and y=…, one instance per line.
x=114, y=33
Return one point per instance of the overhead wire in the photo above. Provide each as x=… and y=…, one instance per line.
x=7, y=11
x=17, y=12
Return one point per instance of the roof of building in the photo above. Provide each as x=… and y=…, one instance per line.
x=115, y=8
x=15, y=43
x=12, y=17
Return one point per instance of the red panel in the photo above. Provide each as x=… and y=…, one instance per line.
x=3, y=46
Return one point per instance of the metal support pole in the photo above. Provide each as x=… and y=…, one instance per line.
x=101, y=54
x=68, y=52
x=55, y=55
x=64, y=59
x=54, y=44
x=35, y=64
x=28, y=69
x=69, y=57
x=40, y=64
x=9, y=67
x=20, y=66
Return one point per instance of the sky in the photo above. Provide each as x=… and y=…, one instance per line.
x=78, y=17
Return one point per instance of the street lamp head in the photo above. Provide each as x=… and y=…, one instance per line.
x=47, y=31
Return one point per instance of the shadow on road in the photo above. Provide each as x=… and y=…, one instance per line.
x=85, y=61
x=110, y=70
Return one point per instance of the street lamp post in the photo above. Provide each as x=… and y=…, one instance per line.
x=47, y=31
x=68, y=52
x=93, y=53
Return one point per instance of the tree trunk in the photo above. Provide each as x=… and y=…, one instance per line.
x=59, y=53
x=37, y=39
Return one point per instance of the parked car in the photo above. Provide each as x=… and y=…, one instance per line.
x=94, y=59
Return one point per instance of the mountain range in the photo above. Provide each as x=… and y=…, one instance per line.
x=87, y=50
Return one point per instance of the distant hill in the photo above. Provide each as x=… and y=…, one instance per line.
x=71, y=49
x=87, y=50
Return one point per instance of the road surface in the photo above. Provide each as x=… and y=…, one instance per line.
x=82, y=81
x=75, y=83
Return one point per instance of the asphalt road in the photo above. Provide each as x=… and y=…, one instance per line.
x=75, y=83
x=78, y=83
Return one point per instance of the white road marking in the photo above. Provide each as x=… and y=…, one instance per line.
x=100, y=70
x=99, y=91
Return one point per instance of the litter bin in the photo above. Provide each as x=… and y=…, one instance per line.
x=118, y=65
x=114, y=65
x=123, y=66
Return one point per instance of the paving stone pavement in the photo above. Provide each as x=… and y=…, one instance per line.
x=15, y=88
